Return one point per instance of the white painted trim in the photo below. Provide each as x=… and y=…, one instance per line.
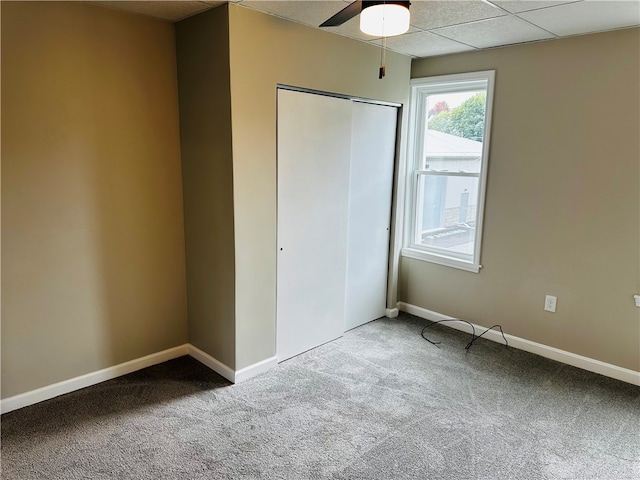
x=71, y=385
x=391, y=312
x=417, y=254
x=586, y=363
x=398, y=203
x=234, y=376
x=420, y=88
x=66, y=386
x=255, y=369
x=214, y=364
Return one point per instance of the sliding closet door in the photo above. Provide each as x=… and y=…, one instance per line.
x=373, y=146
x=314, y=135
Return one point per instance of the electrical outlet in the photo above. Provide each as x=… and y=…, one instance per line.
x=550, y=303
x=637, y=300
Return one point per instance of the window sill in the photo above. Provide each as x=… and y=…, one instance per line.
x=441, y=260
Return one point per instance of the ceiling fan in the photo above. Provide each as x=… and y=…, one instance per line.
x=377, y=18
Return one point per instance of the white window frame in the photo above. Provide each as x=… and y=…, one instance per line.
x=420, y=89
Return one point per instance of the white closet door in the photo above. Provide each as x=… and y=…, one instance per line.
x=373, y=145
x=314, y=135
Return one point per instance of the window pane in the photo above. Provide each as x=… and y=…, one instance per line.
x=450, y=118
x=446, y=216
x=454, y=130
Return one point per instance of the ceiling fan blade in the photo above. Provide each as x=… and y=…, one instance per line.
x=343, y=15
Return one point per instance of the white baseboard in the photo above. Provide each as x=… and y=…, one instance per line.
x=234, y=376
x=391, y=312
x=585, y=363
x=255, y=369
x=213, y=363
x=67, y=386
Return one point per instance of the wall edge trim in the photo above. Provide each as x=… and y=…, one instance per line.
x=234, y=376
x=211, y=362
x=256, y=369
x=573, y=359
x=48, y=392
x=93, y=378
x=391, y=312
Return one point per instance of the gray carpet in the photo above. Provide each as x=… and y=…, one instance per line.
x=379, y=403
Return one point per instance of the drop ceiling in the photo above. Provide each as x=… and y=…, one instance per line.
x=438, y=27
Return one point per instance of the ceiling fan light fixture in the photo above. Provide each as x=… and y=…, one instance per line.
x=385, y=19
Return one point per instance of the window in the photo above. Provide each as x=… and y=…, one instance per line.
x=448, y=150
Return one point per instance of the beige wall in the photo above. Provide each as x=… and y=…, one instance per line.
x=205, y=137
x=93, y=246
x=563, y=199
x=265, y=51
x=93, y=255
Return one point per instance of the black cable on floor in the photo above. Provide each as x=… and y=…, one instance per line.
x=470, y=344
x=474, y=337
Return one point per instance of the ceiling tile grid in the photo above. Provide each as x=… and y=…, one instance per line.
x=438, y=27
x=494, y=32
x=517, y=6
x=585, y=17
x=425, y=44
x=427, y=15
x=164, y=10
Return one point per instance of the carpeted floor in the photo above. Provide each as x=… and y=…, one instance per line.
x=379, y=403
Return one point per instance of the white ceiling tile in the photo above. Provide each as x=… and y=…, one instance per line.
x=425, y=44
x=170, y=10
x=516, y=6
x=352, y=29
x=309, y=12
x=494, y=32
x=312, y=13
x=586, y=17
x=429, y=14
x=455, y=25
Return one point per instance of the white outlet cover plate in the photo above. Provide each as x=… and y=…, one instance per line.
x=550, y=303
